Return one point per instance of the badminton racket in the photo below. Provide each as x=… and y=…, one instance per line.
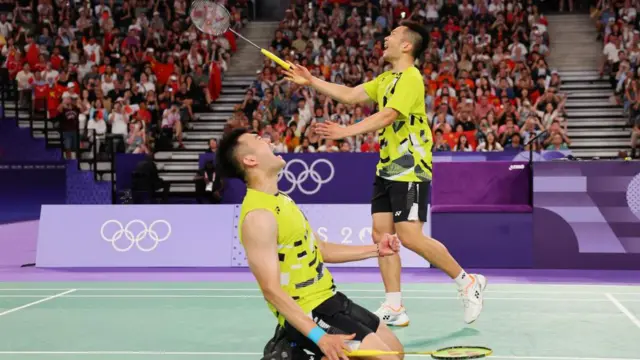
x=448, y=353
x=213, y=19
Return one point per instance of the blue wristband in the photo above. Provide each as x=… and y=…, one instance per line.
x=316, y=334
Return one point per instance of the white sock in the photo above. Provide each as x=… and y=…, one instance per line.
x=463, y=279
x=394, y=300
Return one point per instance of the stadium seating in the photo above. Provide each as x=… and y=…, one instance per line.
x=617, y=27
x=485, y=73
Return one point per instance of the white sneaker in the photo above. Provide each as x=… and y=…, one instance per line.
x=472, y=298
x=393, y=317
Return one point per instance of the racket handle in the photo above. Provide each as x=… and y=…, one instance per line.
x=277, y=60
x=370, y=353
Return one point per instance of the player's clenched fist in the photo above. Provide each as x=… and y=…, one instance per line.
x=389, y=245
x=334, y=347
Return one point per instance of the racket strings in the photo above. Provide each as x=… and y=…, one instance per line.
x=210, y=17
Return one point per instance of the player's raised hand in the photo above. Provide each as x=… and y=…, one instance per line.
x=329, y=130
x=298, y=74
x=389, y=245
x=334, y=347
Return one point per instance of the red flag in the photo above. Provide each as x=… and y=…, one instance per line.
x=56, y=62
x=231, y=38
x=33, y=53
x=215, y=81
x=162, y=71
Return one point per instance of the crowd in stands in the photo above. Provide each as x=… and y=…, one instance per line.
x=137, y=71
x=488, y=86
x=617, y=22
x=134, y=71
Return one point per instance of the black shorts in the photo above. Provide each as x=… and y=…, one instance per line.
x=337, y=315
x=408, y=201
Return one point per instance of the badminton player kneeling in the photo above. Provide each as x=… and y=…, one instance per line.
x=288, y=261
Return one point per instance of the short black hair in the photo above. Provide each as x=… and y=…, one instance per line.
x=419, y=37
x=227, y=164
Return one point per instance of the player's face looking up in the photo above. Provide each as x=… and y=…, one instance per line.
x=255, y=152
x=400, y=42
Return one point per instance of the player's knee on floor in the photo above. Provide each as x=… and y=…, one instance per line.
x=278, y=348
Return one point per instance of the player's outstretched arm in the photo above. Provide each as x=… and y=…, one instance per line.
x=409, y=91
x=344, y=94
x=375, y=122
x=259, y=237
x=338, y=253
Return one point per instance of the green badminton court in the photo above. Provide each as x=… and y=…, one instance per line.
x=139, y=321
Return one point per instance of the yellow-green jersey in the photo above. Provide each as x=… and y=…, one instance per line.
x=302, y=272
x=405, y=145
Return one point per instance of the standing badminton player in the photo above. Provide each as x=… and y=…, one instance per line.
x=403, y=174
x=288, y=262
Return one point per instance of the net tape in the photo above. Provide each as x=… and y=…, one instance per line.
x=210, y=17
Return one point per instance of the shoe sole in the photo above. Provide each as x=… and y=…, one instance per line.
x=486, y=283
x=399, y=325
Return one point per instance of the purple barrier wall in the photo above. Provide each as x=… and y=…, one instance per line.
x=347, y=178
x=587, y=215
x=18, y=243
x=82, y=188
x=178, y=235
x=135, y=236
x=25, y=186
x=487, y=240
x=499, y=186
x=481, y=212
x=17, y=144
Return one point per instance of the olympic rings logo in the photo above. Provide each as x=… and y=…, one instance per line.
x=307, y=172
x=143, y=233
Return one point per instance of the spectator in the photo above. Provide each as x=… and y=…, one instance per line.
x=98, y=47
x=370, y=144
x=213, y=146
x=137, y=138
x=440, y=144
x=305, y=147
x=516, y=143
x=557, y=138
x=171, y=124
x=70, y=110
x=146, y=181
x=635, y=139
x=463, y=144
x=491, y=144
x=557, y=142
x=25, y=80
x=208, y=184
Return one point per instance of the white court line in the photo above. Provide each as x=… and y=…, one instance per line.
x=624, y=310
x=210, y=353
x=36, y=302
x=435, y=291
x=169, y=296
